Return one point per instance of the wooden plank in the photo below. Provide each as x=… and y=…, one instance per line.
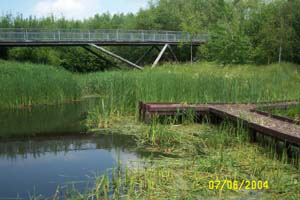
x=116, y=56
x=160, y=55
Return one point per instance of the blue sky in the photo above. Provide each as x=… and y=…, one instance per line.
x=76, y=9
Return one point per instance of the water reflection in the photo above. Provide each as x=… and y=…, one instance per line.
x=45, y=146
x=45, y=120
x=41, y=165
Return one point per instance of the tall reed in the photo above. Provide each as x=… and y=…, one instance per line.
x=25, y=84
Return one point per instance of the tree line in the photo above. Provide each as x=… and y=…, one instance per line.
x=240, y=31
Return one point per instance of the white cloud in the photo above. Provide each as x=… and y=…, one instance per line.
x=79, y=9
x=76, y=9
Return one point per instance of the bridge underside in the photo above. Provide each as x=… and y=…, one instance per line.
x=167, y=46
x=93, y=40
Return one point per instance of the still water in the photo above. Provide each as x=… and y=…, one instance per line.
x=34, y=163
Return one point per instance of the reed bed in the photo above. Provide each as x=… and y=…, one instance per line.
x=26, y=84
x=199, y=83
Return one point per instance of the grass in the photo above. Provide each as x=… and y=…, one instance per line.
x=30, y=84
x=25, y=84
x=292, y=112
x=197, y=153
x=202, y=82
x=194, y=154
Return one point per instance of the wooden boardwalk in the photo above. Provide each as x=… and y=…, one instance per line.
x=277, y=127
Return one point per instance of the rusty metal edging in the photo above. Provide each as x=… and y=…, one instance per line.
x=258, y=128
x=285, y=119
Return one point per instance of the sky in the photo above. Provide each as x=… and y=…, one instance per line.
x=71, y=9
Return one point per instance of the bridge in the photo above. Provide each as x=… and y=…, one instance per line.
x=97, y=39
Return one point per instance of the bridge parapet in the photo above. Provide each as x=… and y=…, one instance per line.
x=80, y=35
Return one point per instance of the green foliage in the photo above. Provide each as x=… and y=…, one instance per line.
x=200, y=153
x=242, y=31
x=157, y=135
x=228, y=47
x=76, y=60
x=30, y=84
x=25, y=84
x=203, y=153
x=292, y=112
x=201, y=82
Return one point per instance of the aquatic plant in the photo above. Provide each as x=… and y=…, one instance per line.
x=25, y=84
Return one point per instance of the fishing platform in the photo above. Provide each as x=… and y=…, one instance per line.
x=281, y=128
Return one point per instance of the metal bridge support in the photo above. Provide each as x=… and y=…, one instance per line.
x=100, y=56
x=145, y=54
x=160, y=55
x=171, y=51
x=167, y=46
x=116, y=56
x=173, y=54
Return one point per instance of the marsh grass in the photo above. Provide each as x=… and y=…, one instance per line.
x=25, y=84
x=199, y=83
x=198, y=153
x=292, y=112
x=205, y=152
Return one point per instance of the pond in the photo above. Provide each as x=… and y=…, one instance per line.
x=45, y=147
x=45, y=120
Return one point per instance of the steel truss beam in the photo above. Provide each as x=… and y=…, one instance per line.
x=162, y=51
x=116, y=56
x=160, y=55
x=100, y=56
x=173, y=54
x=159, y=50
x=145, y=54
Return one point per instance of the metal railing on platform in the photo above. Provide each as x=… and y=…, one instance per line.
x=57, y=35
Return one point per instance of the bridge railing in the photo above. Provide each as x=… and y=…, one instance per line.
x=47, y=35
